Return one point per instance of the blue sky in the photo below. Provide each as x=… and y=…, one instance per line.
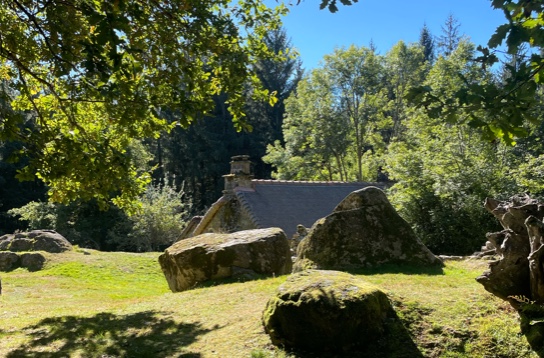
x=316, y=33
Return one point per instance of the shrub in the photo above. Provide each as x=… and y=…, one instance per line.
x=37, y=215
x=454, y=225
x=159, y=223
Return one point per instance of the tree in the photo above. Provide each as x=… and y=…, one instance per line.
x=426, y=41
x=444, y=170
x=160, y=222
x=512, y=63
x=316, y=134
x=405, y=67
x=157, y=225
x=501, y=109
x=280, y=78
x=198, y=156
x=333, y=122
x=95, y=75
x=14, y=193
x=509, y=105
x=448, y=41
x=331, y=4
x=356, y=79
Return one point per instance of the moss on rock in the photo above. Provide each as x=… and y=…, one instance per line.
x=363, y=231
x=318, y=310
x=215, y=256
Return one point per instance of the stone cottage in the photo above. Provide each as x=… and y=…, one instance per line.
x=249, y=203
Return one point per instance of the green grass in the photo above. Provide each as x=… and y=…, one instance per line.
x=98, y=304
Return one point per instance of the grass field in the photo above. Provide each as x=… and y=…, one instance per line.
x=96, y=304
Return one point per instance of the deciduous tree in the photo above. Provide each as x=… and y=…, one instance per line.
x=405, y=67
x=334, y=120
x=356, y=79
x=316, y=134
x=444, y=170
x=94, y=75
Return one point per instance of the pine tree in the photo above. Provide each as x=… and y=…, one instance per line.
x=449, y=40
x=426, y=41
x=280, y=77
x=372, y=46
x=198, y=156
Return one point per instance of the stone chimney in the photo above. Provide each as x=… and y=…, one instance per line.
x=240, y=174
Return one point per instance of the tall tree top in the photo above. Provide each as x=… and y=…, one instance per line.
x=426, y=41
x=448, y=41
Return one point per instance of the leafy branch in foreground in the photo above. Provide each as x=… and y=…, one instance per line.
x=93, y=76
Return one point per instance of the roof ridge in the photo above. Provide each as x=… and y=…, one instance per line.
x=273, y=181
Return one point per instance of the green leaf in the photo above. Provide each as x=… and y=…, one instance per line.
x=499, y=35
x=532, y=23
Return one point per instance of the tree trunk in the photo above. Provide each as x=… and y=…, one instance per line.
x=518, y=274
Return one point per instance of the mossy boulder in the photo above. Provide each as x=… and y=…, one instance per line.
x=364, y=230
x=35, y=240
x=215, y=256
x=33, y=261
x=332, y=311
x=9, y=261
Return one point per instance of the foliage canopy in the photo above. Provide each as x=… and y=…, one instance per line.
x=94, y=75
x=507, y=104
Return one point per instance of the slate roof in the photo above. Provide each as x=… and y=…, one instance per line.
x=286, y=204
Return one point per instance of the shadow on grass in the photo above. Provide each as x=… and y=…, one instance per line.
x=395, y=342
x=400, y=269
x=143, y=334
x=232, y=280
x=382, y=269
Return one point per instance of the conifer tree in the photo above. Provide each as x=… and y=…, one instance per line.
x=426, y=41
x=449, y=40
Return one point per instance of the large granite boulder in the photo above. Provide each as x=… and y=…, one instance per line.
x=35, y=240
x=364, y=230
x=330, y=312
x=214, y=256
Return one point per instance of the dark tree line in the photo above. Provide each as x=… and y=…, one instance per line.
x=198, y=156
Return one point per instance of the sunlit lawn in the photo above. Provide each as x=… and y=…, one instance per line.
x=96, y=304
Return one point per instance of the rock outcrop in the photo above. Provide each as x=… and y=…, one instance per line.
x=33, y=261
x=364, y=230
x=12, y=245
x=330, y=311
x=9, y=261
x=36, y=240
x=214, y=256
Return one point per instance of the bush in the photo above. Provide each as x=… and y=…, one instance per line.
x=37, y=215
x=82, y=223
x=449, y=225
x=158, y=224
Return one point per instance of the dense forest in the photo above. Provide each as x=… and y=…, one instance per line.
x=365, y=115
